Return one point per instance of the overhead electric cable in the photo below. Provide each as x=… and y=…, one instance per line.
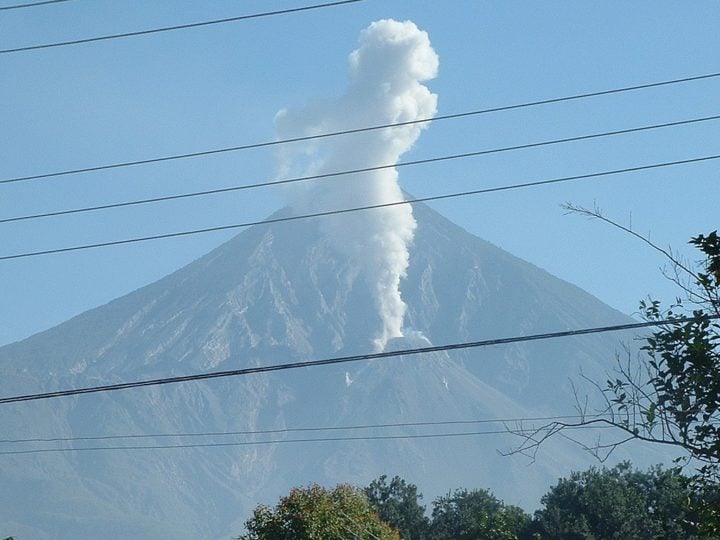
x=358, y=208
x=180, y=26
x=34, y=4
x=287, y=441
x=356, y=130
x=296, y=430
x=360, y=527
x=354, y=171
x=347, y=359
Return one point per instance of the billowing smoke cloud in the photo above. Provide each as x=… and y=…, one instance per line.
x=385, y=87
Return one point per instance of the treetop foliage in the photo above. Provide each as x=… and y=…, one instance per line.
x=317, y=513
x=621, y=503
x=398, y=503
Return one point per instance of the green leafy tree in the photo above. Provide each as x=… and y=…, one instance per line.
x=685, y=364
x=474, y=515
x=316, y=513
x=619, y=503
x=398, y=503
x=671, y=394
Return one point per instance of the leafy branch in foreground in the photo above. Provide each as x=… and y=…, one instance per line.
x=670, y=395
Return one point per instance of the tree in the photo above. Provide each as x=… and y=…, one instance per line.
x=685, y=365
x=397, y=504
x=671, y=394
x=620, y=503
x=471, y=515
x=316, y=513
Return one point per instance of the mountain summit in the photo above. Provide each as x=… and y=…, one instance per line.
x=276, y=294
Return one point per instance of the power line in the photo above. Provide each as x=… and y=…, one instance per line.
x=355, y=171
x=296, y=430
x=180, y=26
x=360, y=527
x=359, y=208
x=347, y=359
x=34, y=4
x=356, y=130
x=283, y=441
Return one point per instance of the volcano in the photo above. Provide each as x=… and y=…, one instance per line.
x=280, y=293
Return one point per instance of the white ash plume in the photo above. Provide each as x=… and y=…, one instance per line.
x=385, y=87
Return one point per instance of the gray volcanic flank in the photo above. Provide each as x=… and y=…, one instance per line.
x=275, y=294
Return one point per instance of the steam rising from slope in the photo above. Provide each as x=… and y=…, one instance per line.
x=385, y=87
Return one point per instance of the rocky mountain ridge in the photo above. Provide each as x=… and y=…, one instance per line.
x=277, y=294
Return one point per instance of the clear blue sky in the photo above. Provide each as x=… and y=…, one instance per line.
x=219, y=86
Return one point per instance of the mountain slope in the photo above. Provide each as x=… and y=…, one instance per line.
x=275, y=294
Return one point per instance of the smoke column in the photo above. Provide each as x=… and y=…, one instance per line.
x=386, y=73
